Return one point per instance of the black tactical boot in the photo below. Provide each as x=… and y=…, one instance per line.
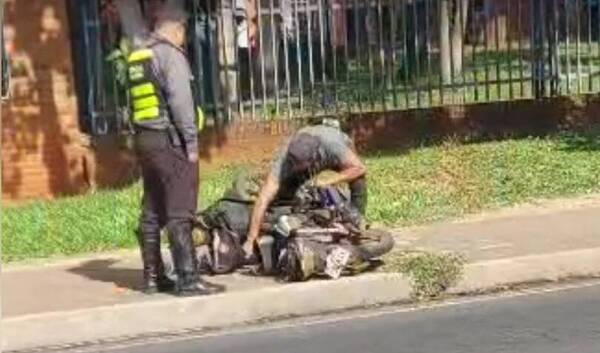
x=155, y=279
x=183, y=250
x=194, y=285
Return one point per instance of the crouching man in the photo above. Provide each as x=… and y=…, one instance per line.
x=310, y=151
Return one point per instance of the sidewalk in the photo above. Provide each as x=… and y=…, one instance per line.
x=91, y=292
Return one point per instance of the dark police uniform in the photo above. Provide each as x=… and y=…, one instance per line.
x=166, y=134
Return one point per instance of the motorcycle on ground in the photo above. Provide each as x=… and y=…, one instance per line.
x=317, y=234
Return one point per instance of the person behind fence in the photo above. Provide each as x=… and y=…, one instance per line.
x=166, y=144
x=308, y=152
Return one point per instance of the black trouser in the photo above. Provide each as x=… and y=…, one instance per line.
x=169, y=200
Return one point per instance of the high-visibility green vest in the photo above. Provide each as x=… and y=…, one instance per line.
x=147, y=102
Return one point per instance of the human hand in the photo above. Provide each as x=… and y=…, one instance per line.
x=248, y=248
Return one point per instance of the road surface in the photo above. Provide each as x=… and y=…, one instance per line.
x=553, y=320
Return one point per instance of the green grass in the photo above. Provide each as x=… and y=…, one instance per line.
x=101, y=221
x=452, y=180
x=416, y=187
x=430, y=274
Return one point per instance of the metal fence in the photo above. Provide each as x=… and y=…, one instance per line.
x=325, y=57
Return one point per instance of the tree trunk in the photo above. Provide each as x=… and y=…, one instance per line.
x=445, y=64
x=132, y=21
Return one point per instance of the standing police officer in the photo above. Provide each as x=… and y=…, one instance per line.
x=166, y=143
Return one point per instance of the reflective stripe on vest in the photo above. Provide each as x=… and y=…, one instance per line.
x=142, y=90
x=139, y=55
x=146, y=114
x=146, y=102
x=200, y=118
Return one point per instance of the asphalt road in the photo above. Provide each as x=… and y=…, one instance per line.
x=551, y=321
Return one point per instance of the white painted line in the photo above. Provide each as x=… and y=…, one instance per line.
x=497, y=246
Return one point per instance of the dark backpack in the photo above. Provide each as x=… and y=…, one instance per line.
x=225, y=225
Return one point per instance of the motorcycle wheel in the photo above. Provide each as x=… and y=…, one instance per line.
x=375, y=243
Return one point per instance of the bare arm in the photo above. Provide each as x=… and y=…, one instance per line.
x=266, y=195
x=352, y=169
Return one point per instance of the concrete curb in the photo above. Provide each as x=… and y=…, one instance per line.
x=171, y=315
x=175, y=314
x=532, y=268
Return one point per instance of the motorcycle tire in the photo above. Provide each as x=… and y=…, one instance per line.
x=375, y=243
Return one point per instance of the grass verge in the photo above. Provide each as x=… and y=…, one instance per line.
x=430, y=274
x=420, y=186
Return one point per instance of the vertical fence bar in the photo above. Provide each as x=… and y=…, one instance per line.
x=237, y=61
x=533, y=43
x=275, y=51
x=509, y=50
x=369, y=54
x=334, y=10
x=486, y=59
x=286, y=53
x=440, y=78
x=428, y=46
x=451, y=13
x=263, y=77
x=520, y=49
x=251, y=74
x=224, y=71
x=598, y=35
x=589, y=44
x=577, y=45
x=497, y=54
x=357, y=52
x=474, y=55
x=553, y=47
x=322, y=43
x=463, y=27
x=299, y=56
x=226, y=64
x=567, y=44
x=311, y=69
x=198, y=57
x=542, y=58
x=384, y=77
x=393, y=30
x=417, y=56
x=556, y=49
x=346, y=55
x=229, y=44
x=214, y=58
x=309, y=44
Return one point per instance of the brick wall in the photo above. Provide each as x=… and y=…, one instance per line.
x=41, y=149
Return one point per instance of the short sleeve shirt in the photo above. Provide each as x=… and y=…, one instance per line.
x=333, y=147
